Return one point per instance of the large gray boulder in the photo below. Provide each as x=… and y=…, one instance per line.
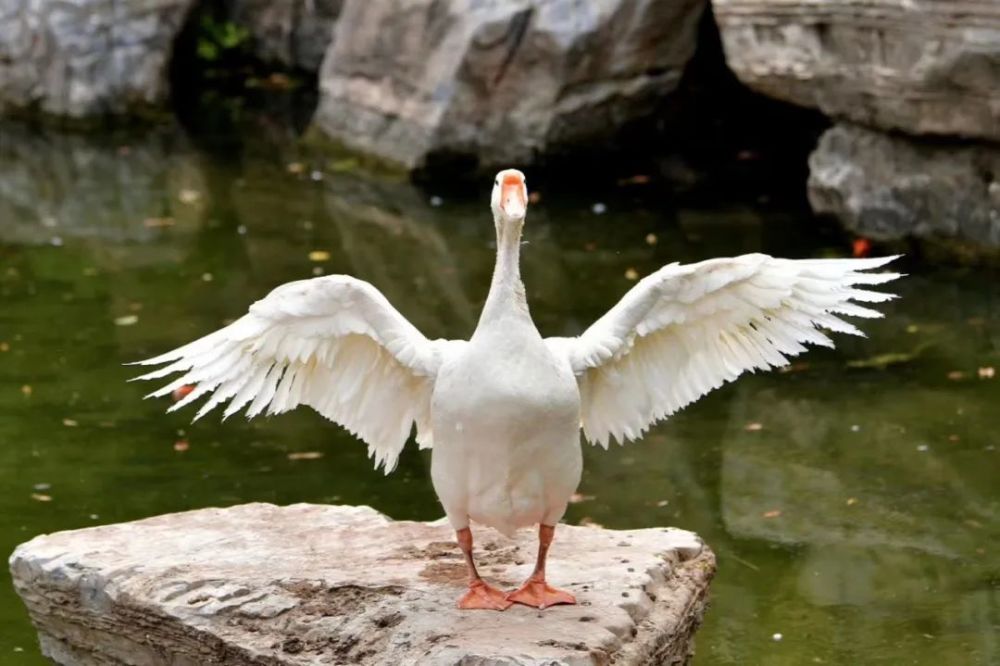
x=890, y=187
x=293, y=33
x=501, y=82
x=307, y=584
x=87, y=57
x=920, y=66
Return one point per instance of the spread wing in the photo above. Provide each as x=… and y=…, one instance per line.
x=333, y=343
x=685, y=330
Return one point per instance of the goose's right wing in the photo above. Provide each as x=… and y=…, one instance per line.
x=333, y=343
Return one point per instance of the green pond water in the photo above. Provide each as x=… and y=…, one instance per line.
x=855, y=511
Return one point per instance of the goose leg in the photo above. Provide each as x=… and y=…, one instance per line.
x=535, y=591
x=481, y=595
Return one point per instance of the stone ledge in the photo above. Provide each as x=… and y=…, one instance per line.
x=310, y=584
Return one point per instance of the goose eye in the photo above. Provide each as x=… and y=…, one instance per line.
x=496, y=182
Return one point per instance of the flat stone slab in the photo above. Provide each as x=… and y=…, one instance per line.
x=310, y=584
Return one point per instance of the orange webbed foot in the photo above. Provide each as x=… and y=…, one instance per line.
x=539, y=594
x=484, y=597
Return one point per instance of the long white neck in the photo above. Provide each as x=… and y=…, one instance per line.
x=506, y=295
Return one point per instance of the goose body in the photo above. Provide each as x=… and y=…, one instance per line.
x=506, y=416
x=503, y=411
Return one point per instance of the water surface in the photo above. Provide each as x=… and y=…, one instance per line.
x=854, y=510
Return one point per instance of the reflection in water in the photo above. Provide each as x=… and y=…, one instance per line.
x=859, y=520
x=57, y=186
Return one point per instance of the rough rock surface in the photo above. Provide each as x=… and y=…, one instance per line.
x=892, y=186
x=306, y=584
x=87, y=57
x=921, y=66
x=412, y=80
x=295, y=33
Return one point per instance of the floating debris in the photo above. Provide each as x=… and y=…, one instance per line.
x=599, y=208
x=883, y=361
x=436, y=201
x=534, y=197
x=70, y=423
x=127, y=320
x=181, y=392
x=305, y=455
x=986, y=373
x=158, y=222
x=576, y=498
x=295, y=167
x=753, y=427
x=207, y=277
x=956, y=375
x=40, y=487
x=181, y=445
x=851, y=501
x=26, y=390
x=651, y=239
x=319, y=255
x=39, y=497
x=189, y=196
x=923, y=448
x=316, y=175
x=4, y=346
x=777, y=638
x=662, y=503
x=587, y=521
x=748, y=565
x=317, y=270
x=773, y=513
x=861, y=247
x=631, y=274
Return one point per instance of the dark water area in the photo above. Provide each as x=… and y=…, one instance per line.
x=853, y=501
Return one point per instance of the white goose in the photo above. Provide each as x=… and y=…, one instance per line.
x=503, y=410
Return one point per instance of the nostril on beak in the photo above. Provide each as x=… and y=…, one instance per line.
x=513, y=206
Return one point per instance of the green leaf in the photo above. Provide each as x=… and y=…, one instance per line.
x=207, y=50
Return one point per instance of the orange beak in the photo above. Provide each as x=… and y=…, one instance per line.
x=513, y=197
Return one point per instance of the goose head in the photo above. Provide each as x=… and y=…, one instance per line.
x=510, y=199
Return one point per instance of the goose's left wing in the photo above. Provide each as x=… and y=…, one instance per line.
x=687, y=329
x=333, y=343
